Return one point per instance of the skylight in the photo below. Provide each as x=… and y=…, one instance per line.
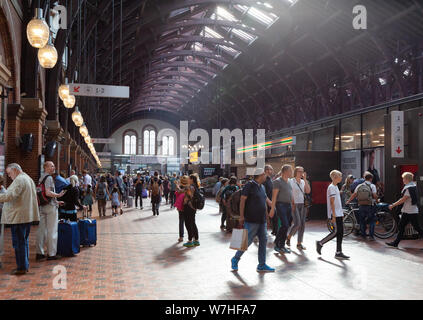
x=210, y=33
x=244, y=35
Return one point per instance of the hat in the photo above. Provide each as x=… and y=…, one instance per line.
x=184, y=181
x=258, y=171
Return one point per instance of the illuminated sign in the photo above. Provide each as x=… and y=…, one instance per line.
x=269, y=144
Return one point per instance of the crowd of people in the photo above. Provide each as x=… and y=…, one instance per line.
x=280, y=201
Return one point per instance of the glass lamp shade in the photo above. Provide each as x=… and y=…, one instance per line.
x=77, y=118
x=83, y=130
x=90, y=145
x=64, y=92
x=37, y=32
x=69, y=101
x=47, y=56
x=87, y=139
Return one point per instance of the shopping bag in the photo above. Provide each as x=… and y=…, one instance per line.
x=239, y=240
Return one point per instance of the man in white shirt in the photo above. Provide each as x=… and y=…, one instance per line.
x=335, y=214
x=87, y=179
x=366, y=195
x=409, y=211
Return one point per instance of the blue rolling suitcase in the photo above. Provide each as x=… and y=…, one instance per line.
x=68, y=238
x=88, y=232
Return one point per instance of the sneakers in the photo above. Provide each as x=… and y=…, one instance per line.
x=234, y=264
x=17, y=272
x=180, y=239
x=341, y=256
x=288, y=242
x=300, y=247
x=196, y=243
x=265, y=268
x=39, y=257
x=392, y=244
x=222, y=227
x=319, y=247
x=277, y=249
x=284, y=250
x=372, y=239
x=188, y=244
x=52, y=258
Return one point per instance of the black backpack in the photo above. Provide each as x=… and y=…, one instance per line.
x=198, y=199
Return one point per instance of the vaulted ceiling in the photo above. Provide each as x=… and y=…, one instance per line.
x=243, y=63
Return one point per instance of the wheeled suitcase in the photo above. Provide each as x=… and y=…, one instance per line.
x=67, y=238
x=87, y=232
x=130, y=202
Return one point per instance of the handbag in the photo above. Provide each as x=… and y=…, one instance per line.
x=239, y=239
x=307, y=197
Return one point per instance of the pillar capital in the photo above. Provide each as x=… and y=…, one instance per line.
x=33, y=110
x=54, y=130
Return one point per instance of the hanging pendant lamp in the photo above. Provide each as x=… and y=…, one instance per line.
x=47, y=55
x=64, y=90
x=37, y=30
x=77, y=117
x=69, y=101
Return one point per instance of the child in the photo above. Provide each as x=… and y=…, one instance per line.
x=335, y=213
x=87, y=201
x=115, y=201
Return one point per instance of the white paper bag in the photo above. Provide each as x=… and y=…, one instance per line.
x=239, y=240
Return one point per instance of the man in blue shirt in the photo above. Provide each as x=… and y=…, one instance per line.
x=253, y=212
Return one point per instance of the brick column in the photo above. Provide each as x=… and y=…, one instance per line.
x=73, y=160
x=55, y=133
x=65, y=153
x=32, y=121
x=12, y=132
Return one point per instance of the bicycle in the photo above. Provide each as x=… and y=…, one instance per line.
x=385, y=226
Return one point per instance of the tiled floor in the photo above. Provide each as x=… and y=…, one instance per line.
x=138, y=257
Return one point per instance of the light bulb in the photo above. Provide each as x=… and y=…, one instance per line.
x=83, y=130
x=77, y=118
x=64, y=91
x=69, y=101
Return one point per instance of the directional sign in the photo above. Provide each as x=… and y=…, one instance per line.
x=397, y=134
x=98, y=90
x=102, y=140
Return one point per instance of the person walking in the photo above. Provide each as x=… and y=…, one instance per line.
x=173, y=181
x=253, y=218
x=366, y=195
x=68, y=211
x=346, y=188
x=268, y=186
x=409, y=211
x=2, y=191
x=139, y=187
x=190, y=184
x=20, y=209
x=47, y=229
x=166, y=188
x=156, y=191
x=300, y=187
x=101, y=194
x=87, y=202
x=283, y=202
x=116, y=201
x=335, y=214
x=225, y=195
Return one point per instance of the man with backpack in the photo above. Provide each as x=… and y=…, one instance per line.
x=47, y=229
x=156, y=191
x=226, y=195
x=409, y=211
x=366, y=195
x=101, y=193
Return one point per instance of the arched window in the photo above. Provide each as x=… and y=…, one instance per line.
x=149, y=142
x=130, y=142
x=168, y=145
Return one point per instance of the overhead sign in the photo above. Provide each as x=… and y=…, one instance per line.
x=98, y=90
x=104, y=154
x=102, y=140
x=397, y=134
x=193, y=156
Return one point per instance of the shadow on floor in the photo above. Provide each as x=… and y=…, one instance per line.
x=171, y=256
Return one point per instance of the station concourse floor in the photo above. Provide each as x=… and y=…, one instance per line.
x=137, y=256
